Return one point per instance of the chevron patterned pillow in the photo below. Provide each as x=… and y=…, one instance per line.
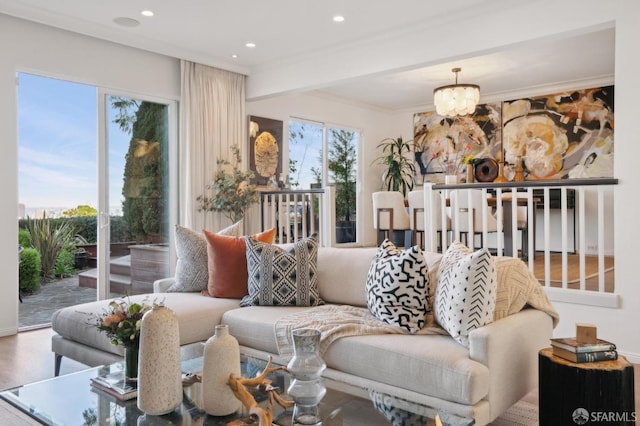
x=466, y=291
x=398, y=286
x=279, y=277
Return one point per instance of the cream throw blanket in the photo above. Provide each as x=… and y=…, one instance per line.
x=517, y=288
x=336, y=321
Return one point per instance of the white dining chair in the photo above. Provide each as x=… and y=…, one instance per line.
x=523, y=223
x=390, y=215
x=462, y=207
x=416, y=217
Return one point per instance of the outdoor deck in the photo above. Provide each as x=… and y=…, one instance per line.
x=36, y=309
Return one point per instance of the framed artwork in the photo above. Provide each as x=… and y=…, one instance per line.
x=265, y=149
x=443, y=144
x=562, y=135
x=558, y=136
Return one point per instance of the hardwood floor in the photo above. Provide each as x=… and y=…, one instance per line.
x=573, y=271
x=27, y=357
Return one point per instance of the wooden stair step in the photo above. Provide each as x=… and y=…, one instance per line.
x=118, y=283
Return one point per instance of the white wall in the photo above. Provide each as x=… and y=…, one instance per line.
x=372, y=123
x=621, y=325
x=29, y=47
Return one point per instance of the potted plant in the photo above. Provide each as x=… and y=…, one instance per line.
x=232, y=194
x=342, y=161
x=80, y=255
x=396, y=157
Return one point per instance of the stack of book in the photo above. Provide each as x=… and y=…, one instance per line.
x=570, y=349
x=114, y=384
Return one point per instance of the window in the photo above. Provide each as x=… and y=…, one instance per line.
x=321, y=155
x=86, y=200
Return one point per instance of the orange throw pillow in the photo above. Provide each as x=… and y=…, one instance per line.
x=227, y=262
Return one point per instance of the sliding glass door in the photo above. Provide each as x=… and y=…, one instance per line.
x=94, y=187
x=134, y=194
x=58, y=189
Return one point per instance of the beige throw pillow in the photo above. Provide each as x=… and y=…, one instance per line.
x=192, y=273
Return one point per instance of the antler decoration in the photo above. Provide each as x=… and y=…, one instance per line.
x=263, y=415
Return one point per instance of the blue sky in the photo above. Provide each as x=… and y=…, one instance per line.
x=306, y=151
x=57, y=139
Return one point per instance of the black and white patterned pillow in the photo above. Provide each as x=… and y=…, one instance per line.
x=393, y=409
x=398, y=286
x=192, y=273
x=466, y=291
x=279, y=277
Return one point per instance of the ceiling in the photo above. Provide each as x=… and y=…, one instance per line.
x=212, y=31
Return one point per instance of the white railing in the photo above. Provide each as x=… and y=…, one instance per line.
x=294, y=213
x=569, y=219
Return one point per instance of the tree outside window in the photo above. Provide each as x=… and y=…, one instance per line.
x=342, y=164
x=314, y=149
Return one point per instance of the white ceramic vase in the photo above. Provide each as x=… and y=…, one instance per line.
x=450, y=179
x=159, y=373
x=221, y=357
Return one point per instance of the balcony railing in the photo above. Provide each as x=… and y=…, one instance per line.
x=294, y=213
x=566, y=237
x=565, y=224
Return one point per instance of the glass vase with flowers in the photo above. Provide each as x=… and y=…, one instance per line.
x=121, y=321
x=450, y=159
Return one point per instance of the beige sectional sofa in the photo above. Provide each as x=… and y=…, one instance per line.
x=497, y=369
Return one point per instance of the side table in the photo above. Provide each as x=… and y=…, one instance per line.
x=580, y=393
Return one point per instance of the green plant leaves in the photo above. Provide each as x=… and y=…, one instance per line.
x=232, y=193
x=398, y=159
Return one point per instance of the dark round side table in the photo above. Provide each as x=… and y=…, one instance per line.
x=585, y=393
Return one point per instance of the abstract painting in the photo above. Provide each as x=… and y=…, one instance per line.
x=558, y=136
x=563, y=135
x=442, y=144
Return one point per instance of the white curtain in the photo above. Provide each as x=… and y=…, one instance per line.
x=212, y=119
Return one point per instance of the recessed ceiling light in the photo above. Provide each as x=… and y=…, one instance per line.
x=250, y=44
x=338, y=18
x=126, y=22
x=148, y=13
x=234, y=56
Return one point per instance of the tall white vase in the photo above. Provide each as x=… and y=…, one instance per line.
x=159, y=373
x=221, y=357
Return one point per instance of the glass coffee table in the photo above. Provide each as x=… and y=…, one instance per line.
x=71, y=400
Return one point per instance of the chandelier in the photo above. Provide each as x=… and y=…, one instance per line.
x=456, y=99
